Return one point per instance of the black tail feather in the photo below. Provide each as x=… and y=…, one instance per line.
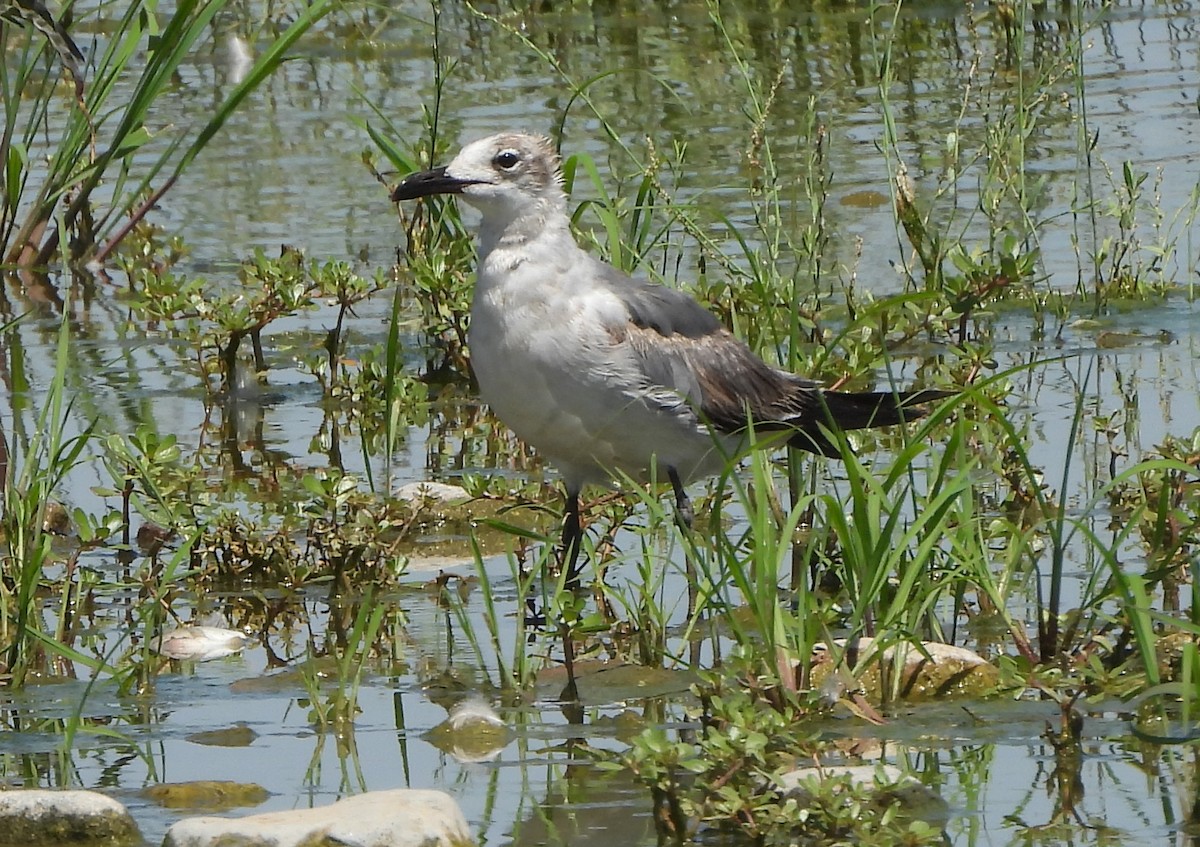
x=861, y=410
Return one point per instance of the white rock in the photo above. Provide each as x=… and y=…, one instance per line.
x=472, y=733
x=432, y=492
x=911, y=654
x=37, y=816
x=399, y=818
x=200, y=643
x=473, y=710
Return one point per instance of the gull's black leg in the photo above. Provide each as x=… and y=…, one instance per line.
x=684, y=515
x=572, y=541
x=683, y=506
x=572, y=537
x=568, y=558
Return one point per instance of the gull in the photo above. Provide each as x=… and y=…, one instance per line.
x=605, y=374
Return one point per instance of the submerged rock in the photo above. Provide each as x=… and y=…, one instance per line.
x=37, y=817
x=600, y=682
x=211, y=795
x=400, y=818
x=238, y=735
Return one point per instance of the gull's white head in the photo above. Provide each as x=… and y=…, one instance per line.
x=509, y=175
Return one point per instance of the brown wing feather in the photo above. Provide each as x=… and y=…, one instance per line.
x=693, y=365
x=728, y=386
x=722, y=380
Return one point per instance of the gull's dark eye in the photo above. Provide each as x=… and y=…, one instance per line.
x=506, y=159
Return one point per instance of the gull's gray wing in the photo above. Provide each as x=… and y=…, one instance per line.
x=690, y=361
x=664, y=310
x=685, y=353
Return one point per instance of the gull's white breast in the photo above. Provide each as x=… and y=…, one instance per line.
x=549, y=351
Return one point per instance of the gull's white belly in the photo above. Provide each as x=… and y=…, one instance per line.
x=553, y=374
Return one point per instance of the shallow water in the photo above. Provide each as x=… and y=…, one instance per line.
x=288, y=170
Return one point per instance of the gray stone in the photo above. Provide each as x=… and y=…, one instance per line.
x=37, y=816
x=399, y=818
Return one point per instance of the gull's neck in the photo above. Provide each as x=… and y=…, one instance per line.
x=507, y=226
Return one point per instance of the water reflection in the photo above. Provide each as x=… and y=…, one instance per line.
x=288, y=170
x=996, y=763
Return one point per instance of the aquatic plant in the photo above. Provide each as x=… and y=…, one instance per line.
x=911, y=544
x=1072, y=573
x=333, y=697
x=35, y=457
x=101, y=135
x=732, y=778
x=438, y=245
x=217, y=318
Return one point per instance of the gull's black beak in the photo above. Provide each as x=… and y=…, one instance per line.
x=424, y=183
